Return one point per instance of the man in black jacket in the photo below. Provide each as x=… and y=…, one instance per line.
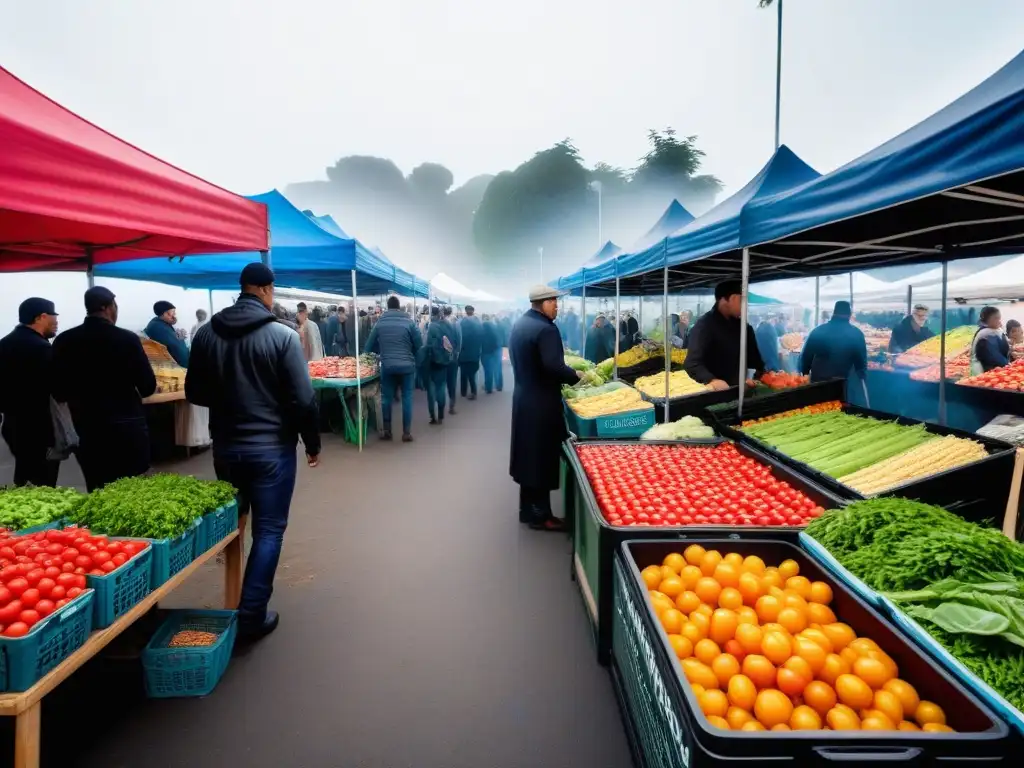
x=250, y=372
x=397, y=340
x=26, y=359
x=471, y=338
x=714, y=350
x=102, y=373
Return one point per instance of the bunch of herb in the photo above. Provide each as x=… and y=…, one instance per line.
x=28, y=507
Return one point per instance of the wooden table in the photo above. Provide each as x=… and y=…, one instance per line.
x=164, y=397
x=27, y=706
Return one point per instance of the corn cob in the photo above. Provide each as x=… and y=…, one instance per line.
x=926, y=459
x=616, y=401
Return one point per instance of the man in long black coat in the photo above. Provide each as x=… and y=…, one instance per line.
x=538, y=428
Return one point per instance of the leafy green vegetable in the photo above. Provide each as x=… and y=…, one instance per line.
x=156, y=507
x=28, y=507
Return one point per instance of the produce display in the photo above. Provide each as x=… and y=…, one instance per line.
x=161, y=506
x=876, y=339
x=28, y=507
x=763, y=650
x=859, y=450
x=42, y=572
x=958, y=341
x=680, y=384
x=793, y=342
x=688, y=427
x=674, y=485
x=963, y=583
x=956, y=369
x=578, y=392
x=343, y=367
x=826, y=407
x=618, y=400
x=170, y=377
x=1009, y=377
x=646, y=350
x=191, y=638
x=578, y=363
x=784, y=380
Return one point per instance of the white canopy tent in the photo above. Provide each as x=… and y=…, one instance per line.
x=443, y=285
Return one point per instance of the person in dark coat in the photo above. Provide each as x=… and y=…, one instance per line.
x=470, y=351
x=102, y=373
x=599, y=345
x=989, y=347
x=452, y=375
x=490, y=352
x=768, y=344
x=538, y=427
x=714, y=353
x=26, y=359
x=440, y=350
x=161, y=329
x=910, y=331
x=836, y=349
x=397, y=340
x=573, y=331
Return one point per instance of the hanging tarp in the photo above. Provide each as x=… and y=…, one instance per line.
x=71, y=194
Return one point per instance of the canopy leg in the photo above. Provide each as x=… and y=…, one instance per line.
x=942, y=350
x=359, y=375
x=743, y=331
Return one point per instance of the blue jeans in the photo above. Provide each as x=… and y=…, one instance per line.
x=452, y=376
x=492, y=371
x=437, y=383
x=467, y=381
x=388, y=383
x=265, y=479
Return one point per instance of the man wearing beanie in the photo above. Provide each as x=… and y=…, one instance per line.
x=836, y=349
x=26, y=359
x=161, y=330
x=249, y=370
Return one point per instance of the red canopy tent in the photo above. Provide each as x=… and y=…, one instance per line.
x=73, y=195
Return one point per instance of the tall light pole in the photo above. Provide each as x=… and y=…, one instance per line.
x=540, y=252
x=778, y=75
x=598, y=187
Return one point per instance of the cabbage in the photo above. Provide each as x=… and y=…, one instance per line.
x=579, y=392
x=687, y=428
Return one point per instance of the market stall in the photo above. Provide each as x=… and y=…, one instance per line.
x=338, y=382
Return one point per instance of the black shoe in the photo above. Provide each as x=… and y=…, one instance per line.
x=451, y=411
x=471, y=397
x=386, y=435
x=548, y=524
x=524, y=516
x=250, y=632
x=406, y=438
x=433, y=422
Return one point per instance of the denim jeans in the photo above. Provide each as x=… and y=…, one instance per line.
x=437, y=383
x=265, y=479
x=467, y=379
x=451, y=377
x=389, y=382
x=492, y=371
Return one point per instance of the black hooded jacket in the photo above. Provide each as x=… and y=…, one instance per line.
x=249, y=370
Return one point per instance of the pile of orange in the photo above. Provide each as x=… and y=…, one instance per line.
x=763, y=650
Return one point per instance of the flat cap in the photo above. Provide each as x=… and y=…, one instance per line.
x=544, y=292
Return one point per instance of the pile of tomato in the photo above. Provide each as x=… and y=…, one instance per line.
x=671, y=485
x=42, y=572
x=784, y=380
x=1010, y=377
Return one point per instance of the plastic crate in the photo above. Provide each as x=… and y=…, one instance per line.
x=37, y=528
x=173, y=555
x=595, y=540
x=672, y=731
x=25, y=660
x=696, y=404
x=120, y=590
x=189, y=671
x=826, y=559
x=215, y=525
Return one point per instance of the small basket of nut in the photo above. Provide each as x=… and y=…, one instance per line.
x=189, y=653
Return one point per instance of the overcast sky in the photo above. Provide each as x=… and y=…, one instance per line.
x=253, y=94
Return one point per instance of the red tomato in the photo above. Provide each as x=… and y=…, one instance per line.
x=67, y=580
x=35, y=575
x=73, y=592
x=119, y=559
x=52, y=572
x=10, y=612
x=45, y=607
x=107, y=567
x=60, y=604
x=5, y=596
x=8, y=553
x=54, y=548
x=101, y=557
x=30, y=597
x=58, y=592
x=45, y=586
x=17, y=586
x=17, y=629
x=67, y=568
x=83, y=561
x=29, y=616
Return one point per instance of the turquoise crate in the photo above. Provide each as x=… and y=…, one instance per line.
x=215, y=526
x=836, y=569
x=628, y=424
x=173, y=555
x=37, y=528
x=1010, y=714
x=122, y=589
x=25, y=660
x=195, y=671
x=582, y=428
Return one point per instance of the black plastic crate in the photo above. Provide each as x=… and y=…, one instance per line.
x=690, y=405
x=595, y=540
x=671, y=730
x=777, y=402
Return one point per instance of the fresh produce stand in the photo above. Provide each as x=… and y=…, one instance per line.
x=336, y=390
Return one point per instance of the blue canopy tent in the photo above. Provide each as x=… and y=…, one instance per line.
x=674, y=218
x=596, y=265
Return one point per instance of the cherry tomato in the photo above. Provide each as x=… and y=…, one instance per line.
x=17, y=629
x=74, y=592
x=29, y=616
x=45, y=607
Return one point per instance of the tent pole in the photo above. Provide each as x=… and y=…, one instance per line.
x=359, y=375
x=667, y=342
x=265, y=258
x=210, y=297
x=778, y=77
x=942, y=350
x=851, y=290
x=90, y=275
x=618, y=326
x=583, y=320
x=743, y=330
x=910, y=299
x=817, y=302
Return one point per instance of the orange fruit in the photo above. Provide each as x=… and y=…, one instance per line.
x=849, y=655
x=864, y=644
x=714, y=702
x=778, y=593
x=742, y=692
x=747, y=615
x=693, y=554
x=772, y=708
x=730, y=598
x=706, y=650
x=667, y=572
x=660, y=602
x=691, y=633
x=800, y=666
x=841, y=718
x=820, y=614
x=811, y=652
x=734, y=559
x=834, y=666
x=906, y=725
x=853, y=692
x=672, y=586
x=839, y=634
x=651, y=576
x=820, y=697
x=737, y=718
x=752, y=725
x=929, y=712
x=801, y=585
x=690, y=575
x=750, y=588
x=675, y=561
x=772, y=578
x=906, y=693
x=791, y=619
x=726, y=574
x=754, y=564
x=820, y=592
x=790, y=682
x=819, y=637
x=708, y=590
x=706, y=609
x=781, y=727
x=682, y=647
x=776, y=647
x=749, y=637
x=936, y=728
x=889, y=705
x=874, y=672
x=723, y=626
x=719, y=722
x=710, y=561
x=735, y=649
x=725, y=666
x=698, y=690
x=699, y=673
x=788, y=569
x=759, y=670
x=791, y=599
x=877, y=723
x=688, y=602
x=672, y=621
x=768, y=608
x=701, y=621
x=805, y=719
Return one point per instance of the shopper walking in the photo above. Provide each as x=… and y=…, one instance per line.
x=836, y=350
x=161, y=330
x=439, y=355
x=470, y=350
x=452, y=375
x=538, y=427
x=490, y=351
x=599, y=345
x=250, y=372
x=309, y=334
x=397, y=340
x=504, y=331
x=102, y=373
x=26, y=359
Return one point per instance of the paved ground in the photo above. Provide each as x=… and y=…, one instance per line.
x=422, y=627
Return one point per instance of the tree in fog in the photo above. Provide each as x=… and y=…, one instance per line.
x=669, y=169
x=431, y=180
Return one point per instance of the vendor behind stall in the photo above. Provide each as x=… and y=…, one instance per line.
x=910, y=331
x=714, y=351
x=768, y=343
x=989, y=348
x=161, y=330
x=600, y=345
x=1015, y=335
x=836, y=349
